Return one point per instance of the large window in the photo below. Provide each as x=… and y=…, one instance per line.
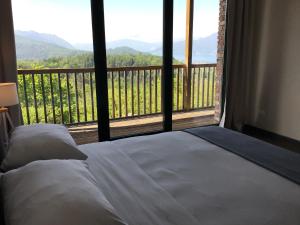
x=56, y=79
x=56, y=65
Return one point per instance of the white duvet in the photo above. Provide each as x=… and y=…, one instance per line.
x=179, y=179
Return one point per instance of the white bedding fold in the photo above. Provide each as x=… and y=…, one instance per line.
x=179, y=179
x=125, y=185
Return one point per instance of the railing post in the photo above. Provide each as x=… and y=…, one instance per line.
x=188, y=54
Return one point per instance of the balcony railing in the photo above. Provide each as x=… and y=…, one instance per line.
x=68, y=96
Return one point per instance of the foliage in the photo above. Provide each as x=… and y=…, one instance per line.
x=86, y=60
x=69, y=98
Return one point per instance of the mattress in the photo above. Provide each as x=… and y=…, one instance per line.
x=177, y=178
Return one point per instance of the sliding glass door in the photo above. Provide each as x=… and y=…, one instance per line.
x=115, y=68
x=178, y=90
x=194, y=79
x=134, y=59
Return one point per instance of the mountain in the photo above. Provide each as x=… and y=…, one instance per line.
x=134, y=44
x=204, y=49
x=34, y=45
x=122, y=50
x=28, y=48
x=137, y=45
x=48, y=38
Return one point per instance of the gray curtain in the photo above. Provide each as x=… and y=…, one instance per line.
x=8, y=68
x=240, y=22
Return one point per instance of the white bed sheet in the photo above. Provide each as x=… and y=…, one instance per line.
x=178, y=179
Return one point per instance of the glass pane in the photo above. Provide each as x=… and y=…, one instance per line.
x=134, y=49
x=54, y=41
x=206, y=23
x=194, y=91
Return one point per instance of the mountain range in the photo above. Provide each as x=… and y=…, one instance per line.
x=34, y=45
x=48, y=38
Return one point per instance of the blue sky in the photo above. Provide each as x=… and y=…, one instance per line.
x=133, y=19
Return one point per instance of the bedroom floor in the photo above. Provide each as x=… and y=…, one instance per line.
x=84, y=134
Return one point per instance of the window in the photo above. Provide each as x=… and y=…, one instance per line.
x=56, y=69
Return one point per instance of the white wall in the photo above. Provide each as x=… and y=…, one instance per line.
x=275, y=91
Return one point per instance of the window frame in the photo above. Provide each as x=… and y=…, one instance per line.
x=99, y=45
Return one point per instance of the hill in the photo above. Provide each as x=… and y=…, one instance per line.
x=32, y=49
x=134, y=44
x=42, y=37
x=33, y=45
x=36, y=46
x=86, y=60
x=204, y=49
x=122, y=50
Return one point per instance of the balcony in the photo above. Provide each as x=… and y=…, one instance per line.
x=68, y=96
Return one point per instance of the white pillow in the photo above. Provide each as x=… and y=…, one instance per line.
x=55, y=192
x=40, y=142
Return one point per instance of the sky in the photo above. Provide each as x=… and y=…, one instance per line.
x=124, y=19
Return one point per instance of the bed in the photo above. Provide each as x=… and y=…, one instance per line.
x=209, y=176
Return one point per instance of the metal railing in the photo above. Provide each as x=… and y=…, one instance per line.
x=68, y=96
